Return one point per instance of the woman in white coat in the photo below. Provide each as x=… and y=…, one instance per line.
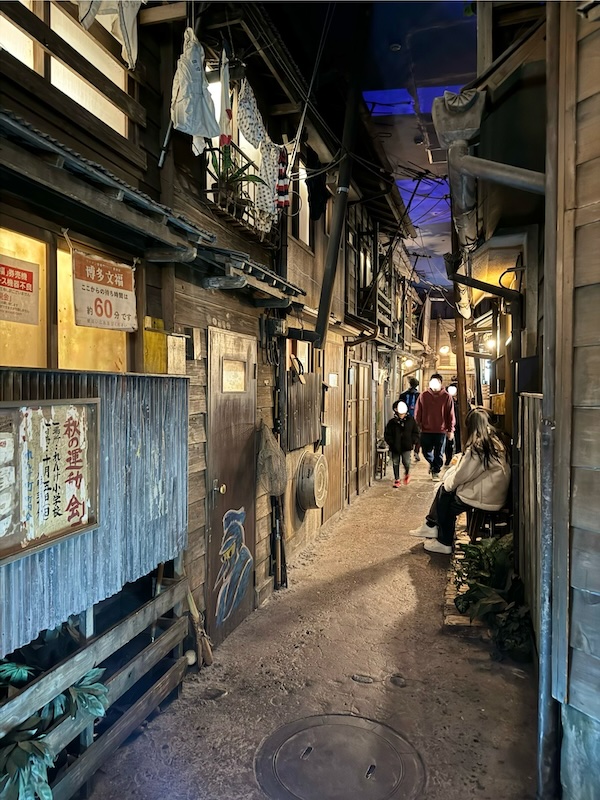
x=479, y=478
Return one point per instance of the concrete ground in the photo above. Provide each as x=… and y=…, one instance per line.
x=364, y=600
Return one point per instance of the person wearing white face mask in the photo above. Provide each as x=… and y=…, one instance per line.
x=434, y=414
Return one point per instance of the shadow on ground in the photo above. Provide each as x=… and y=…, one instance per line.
x=364, y=600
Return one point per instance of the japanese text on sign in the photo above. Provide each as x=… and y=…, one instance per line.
x=19, y=284
x=104, y=293
x=48, y=473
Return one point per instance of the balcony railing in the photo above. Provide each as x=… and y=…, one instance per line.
x=231, y=183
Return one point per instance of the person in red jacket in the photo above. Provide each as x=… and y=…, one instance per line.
x=434, y=414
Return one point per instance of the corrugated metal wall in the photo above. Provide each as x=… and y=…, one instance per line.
x=143, y=499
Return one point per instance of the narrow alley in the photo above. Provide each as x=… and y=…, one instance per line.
x=365, y=602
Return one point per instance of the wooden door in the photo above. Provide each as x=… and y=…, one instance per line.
x=231, y=484
x=359, y=428
x=334, y=420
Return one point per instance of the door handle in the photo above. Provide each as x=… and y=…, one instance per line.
x=220, y=488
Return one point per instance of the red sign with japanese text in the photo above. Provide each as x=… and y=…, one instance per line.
x=19, y=287
x=104, y=293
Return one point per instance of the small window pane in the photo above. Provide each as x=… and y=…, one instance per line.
x=304, y=214
x=15, y=42
x=234, y=376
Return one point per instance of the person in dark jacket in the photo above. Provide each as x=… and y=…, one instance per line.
x=401, y=434
x=410, y=397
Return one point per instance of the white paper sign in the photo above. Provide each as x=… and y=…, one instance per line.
x=104, y=293
x=19, y=291
x=7, y=448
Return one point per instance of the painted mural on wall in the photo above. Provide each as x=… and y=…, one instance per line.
x=48, y=473
x=237, y=564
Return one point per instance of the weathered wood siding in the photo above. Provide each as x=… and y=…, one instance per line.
x=577, y=528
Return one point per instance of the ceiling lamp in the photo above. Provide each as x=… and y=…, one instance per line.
x=444, y=350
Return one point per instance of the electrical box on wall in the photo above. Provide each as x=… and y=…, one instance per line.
x=277, y=327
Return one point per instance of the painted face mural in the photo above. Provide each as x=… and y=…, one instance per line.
x=236, y=569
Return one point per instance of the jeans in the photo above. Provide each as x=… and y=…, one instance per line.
x=446, y=507
x=405, y=463
x=449, y=450
x=433, y=445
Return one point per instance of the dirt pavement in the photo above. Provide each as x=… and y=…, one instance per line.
x=366, y=600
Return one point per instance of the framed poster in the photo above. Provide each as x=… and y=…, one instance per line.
x=49, y=473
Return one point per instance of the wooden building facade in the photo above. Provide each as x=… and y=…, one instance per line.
x=216, y=297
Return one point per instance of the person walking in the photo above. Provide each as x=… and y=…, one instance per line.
x=401, y=434
x=410, y=397
x=453, y=446
x=479, y=478
x=434, y=414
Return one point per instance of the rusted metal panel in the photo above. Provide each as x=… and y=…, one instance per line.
x=143, y=499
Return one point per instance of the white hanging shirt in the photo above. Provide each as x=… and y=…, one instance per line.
x=121, y=20
x=192, y=107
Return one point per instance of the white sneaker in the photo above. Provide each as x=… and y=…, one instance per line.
x=425, y=532
x=436, y=477
x=433, y=546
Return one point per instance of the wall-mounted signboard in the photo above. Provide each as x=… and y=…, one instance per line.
x=49, y=473
x=104, y=293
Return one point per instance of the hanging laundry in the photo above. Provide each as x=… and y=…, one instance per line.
x=226, y=112
x=318, y=196
x=192, y=107
x=120, y=17
x=250, y=122
x=283, y=181
x=266, y=193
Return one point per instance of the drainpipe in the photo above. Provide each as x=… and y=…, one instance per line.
x=345, y=175
x=548, y=749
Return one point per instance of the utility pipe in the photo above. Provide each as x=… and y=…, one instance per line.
x=517, y=177
x=343, y=188
x=548, y=747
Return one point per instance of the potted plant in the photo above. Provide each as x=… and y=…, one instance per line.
x=228, y=190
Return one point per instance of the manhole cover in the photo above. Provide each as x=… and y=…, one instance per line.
x=339, y=757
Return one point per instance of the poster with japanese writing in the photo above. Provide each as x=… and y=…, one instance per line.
x=19, y=290
x=104, y=293
x=48, y=473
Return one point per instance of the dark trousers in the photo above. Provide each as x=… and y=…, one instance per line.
x=446, y=507
x=449, y=450
x=405, y=463
x=433, y=445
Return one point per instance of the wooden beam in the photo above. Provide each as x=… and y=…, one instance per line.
x=60, y=735
x=16, y=159
x=65, y=674
x=85, y=766
x=282, y=109
x=224, y=282
x=170, y=12
x=15, y=74
x=55, y=45
x=164, y=254
x=484, y=36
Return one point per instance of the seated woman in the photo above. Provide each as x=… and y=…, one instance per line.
x=479, y=478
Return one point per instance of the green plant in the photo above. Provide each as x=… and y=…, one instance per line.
x=24, y=756
x=88, y=695
x=15, y=674
x=495, y=594
x=230, y=177
x=24, y=762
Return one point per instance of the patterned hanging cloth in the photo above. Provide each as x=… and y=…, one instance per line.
x=226, y=112
x=283, y=181
x=250, y=122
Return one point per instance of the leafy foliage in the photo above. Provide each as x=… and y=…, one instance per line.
x=15, y=674
x=495, y=594
x=230, y=175
x=25, y=757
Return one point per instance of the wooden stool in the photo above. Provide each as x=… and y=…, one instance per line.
x=381, y=463
x=488, y=523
